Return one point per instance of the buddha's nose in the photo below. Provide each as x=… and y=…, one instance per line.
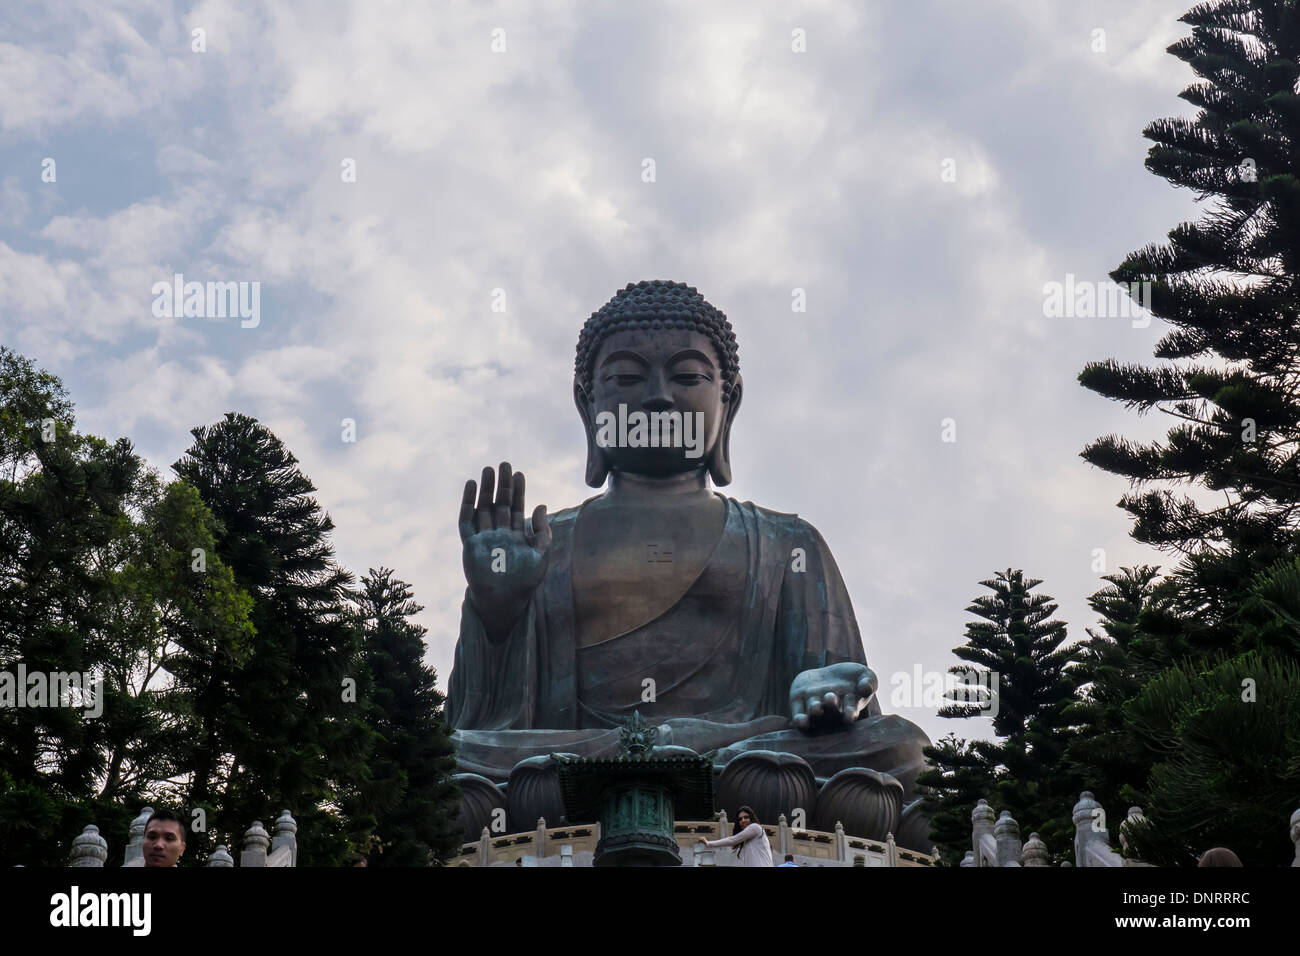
x=658, y=398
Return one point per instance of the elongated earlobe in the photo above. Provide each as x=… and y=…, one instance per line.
x=720, y=459
x=597, y=464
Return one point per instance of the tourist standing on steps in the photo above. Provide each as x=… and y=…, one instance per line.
x=749, y=839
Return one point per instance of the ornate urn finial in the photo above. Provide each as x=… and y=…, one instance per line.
x=636, y=738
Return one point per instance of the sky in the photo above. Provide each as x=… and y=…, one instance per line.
x=433, y=197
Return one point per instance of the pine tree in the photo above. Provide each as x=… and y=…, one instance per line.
x=1113, y=664
x=277, y=731
x=958, y=776
x=1021, y=674
x=1227, y=286
x=416, y=802
x=1015, y=648
x=1227, y=767
x=1230, y=375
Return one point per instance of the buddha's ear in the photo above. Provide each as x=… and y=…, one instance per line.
x=597, y=465
x=720, y=460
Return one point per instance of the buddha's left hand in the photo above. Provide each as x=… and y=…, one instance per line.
x=829, y=696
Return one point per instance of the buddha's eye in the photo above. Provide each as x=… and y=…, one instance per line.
x=624, y=379
x=690, y=378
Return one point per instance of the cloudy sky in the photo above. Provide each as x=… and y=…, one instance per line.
x=502, y=146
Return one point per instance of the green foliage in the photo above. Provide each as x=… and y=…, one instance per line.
x=224, y=632
x=409, y=787
x=958, y=776
x=1226, y=285
x=1163, y=723
x=1106, y=755
x=1019, y=643
x=95, y=578
x=1226, y=740
x=275, y=730
x=1017, y=649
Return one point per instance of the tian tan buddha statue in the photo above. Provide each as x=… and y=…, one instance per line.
x=724, y=624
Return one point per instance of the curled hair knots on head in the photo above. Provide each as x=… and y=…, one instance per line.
x=654, y=305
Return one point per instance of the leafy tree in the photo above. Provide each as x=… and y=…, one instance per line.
x=276, y=731
x=63, y=505
x=91, y=547
x=411, y=788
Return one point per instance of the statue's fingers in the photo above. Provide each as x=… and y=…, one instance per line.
x=850, y=708
x=831, y=700
x=467, y=510
x=517, y=503
x=483, y=516
x=814, y=706
x=541, y=531
x=796, y=712
x=867, y=684
x=505, y=489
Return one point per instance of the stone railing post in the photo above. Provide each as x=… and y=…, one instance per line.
x=1035, y=852
x=89, y=848
x=1295, y=836
x=891, y=850
x=1134, y=819
x=1006, y=832
x=722, y=825
x=782, y=836
x=221, y=857
x=484, y=848
x=135, y=841
x=968, y=859
x=256, y=842
x=286, y=835
x=1086, y=818
x=1091, y=837
x=841, y=843
x=981, y=822
x=539, y=838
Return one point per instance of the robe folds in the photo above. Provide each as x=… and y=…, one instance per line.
x=768, y=604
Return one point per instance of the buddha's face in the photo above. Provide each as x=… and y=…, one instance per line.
x=661, y=374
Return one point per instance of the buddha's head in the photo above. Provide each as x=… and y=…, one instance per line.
x=659, y=354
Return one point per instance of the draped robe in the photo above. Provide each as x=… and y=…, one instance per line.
x=767, y=604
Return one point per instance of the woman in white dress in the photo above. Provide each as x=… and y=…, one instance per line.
x=749, y=838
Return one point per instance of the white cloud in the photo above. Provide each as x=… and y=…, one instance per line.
x=521, y=171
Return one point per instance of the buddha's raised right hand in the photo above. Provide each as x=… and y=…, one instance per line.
x=504, y=558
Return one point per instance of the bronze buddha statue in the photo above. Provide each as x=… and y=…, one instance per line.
x=725, y=624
